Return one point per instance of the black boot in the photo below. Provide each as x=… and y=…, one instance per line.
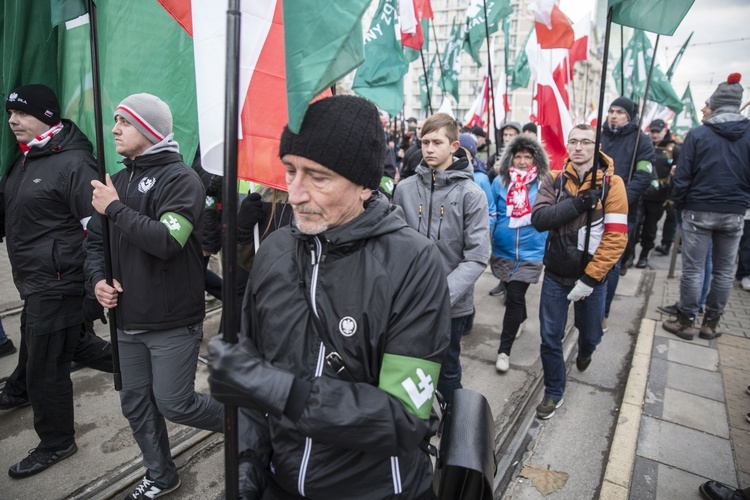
x=642, y=260
x=682, y=326
x=710, y=328
x=663, y=249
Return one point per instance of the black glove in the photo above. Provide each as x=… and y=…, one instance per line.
x=93, y=310
x=250, y=214
x=239, y=376
x=588, y=200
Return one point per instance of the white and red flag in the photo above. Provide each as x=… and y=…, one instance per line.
x=552, y=26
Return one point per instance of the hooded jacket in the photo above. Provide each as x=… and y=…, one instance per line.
x=521, y=244
x=382, y=298
x=449, y=208
x=554, y=211
x=667, y=154
x=619, y=145
x=47, y=198
x=713, y=174
x=162, y=278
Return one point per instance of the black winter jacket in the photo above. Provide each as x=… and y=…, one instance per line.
x=620, y=146
x=162, y=281
x=380, y=292
x=47, y=194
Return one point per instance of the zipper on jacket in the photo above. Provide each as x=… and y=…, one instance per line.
x=429, y=212
x=419, y=220
x=440, y=223
x=315, y=255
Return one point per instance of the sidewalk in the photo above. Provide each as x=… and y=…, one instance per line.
x=682, y=420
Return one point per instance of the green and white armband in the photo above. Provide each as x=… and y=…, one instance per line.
x=179, y=227
x=411, y=380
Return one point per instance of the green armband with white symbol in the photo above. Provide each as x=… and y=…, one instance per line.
x=644, y=165
x=179, y=227
x=410, y=380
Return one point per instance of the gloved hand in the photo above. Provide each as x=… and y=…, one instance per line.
x=239, y=376
x=587, y=200
x=250, y=214
x=580, y=291
x=93, y=310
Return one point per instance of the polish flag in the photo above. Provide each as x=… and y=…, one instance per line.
x=552, y=112
x=563, y=72
x=411, y=13
x=553, y=28
x=480, y=107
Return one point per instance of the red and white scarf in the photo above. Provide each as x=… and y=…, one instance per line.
x=518, y=206
x=41, y=139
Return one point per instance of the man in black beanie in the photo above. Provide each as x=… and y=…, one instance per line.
x=346, y=322
x=47, y=205
x=712, y=189
x=633, y=155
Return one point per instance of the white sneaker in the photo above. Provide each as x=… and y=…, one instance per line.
x=503, y=362
x=604, y=325
x=745, y=283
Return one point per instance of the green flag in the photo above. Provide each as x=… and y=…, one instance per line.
x=451, y=63
x=65, y=10
x=506, y=45
x=678, y=58
x=323, y=42
x=381, y=78
x=425, y=84
x=29, y=55
x=688, y=118
x=636, y=62
x=521, y=74
x=476, y=31
x=657, y=16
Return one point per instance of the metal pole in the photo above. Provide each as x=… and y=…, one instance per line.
x=622, y=59
x=426, y=80
x=492, y=85
x=96, y=77
x=645, y=100
x=440, y=61
x=229, y=227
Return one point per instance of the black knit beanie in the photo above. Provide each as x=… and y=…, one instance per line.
x=343, y=133
x=627, y=105
x=37, y=100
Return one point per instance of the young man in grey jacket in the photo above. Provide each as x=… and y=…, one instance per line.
x=444, y=203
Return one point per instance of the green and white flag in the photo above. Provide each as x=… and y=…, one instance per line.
x=657, y=16
x=687, y=118
x=633, y=69
x=381, y=78
x=521, y=74
x=451, y=63
x=476, y=31
x=678, y=58
x=424, y=85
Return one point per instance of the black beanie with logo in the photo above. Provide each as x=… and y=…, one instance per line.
x=37, y=100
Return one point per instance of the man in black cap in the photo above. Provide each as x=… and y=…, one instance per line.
x=345, y=325
x=656, y=197
x=47, y=204
x=712, y=189
x=633, y=155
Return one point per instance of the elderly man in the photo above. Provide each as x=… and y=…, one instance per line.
x=345, y=324
x=154, y=208
x=712, y=188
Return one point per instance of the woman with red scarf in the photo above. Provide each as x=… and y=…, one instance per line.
x=517, y=248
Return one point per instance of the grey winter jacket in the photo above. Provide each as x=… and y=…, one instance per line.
x=450, y=209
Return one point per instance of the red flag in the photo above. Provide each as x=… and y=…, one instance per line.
x=480, y=107
x=411, y=13
x=553, y=28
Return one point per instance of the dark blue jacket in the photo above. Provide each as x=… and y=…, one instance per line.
x=713, y=174
x=620, y=146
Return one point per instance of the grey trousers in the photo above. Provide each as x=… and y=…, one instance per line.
x=158, y=382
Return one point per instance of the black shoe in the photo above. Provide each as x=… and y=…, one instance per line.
x=682, y=326
x=8, y=402
x=7, y=348
x=714, y=490
x=672, y=310
x=582, y=363
x=148, y=489
x=642, y=263
x=37, y=461
x=498, y=290
x=662, y=249
x=546, y=409
x=623, y=270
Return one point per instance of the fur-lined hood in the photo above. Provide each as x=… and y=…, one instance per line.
x=523, y=142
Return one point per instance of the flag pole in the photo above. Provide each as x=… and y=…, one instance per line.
x=96, y=77
x=440, y=61
x=622, y=59
x=491, y=84
x=426, y=80
x=229, y=227
x=643, y=109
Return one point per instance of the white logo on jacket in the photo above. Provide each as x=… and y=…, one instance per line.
x=347, y=326
x=146, y=184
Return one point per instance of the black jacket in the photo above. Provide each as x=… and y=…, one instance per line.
x=162, y=281
x=382, y=297
x=47, y=194
x=620, y=146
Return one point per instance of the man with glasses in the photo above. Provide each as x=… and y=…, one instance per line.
x=575, y=270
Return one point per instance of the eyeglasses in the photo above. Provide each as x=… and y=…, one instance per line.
x=583, y=142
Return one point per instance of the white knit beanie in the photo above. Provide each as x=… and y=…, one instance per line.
x=147, y=113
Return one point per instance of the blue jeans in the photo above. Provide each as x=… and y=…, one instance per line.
x=553, y=317
x=701, y=230
x=450, y=372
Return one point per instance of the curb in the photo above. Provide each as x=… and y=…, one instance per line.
x=619, y=470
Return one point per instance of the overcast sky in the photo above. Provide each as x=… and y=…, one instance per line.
x=706, y=62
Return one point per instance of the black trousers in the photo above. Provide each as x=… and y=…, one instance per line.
x=515, y=314
x=652, y=212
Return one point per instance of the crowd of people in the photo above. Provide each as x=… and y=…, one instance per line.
x=372, y=255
